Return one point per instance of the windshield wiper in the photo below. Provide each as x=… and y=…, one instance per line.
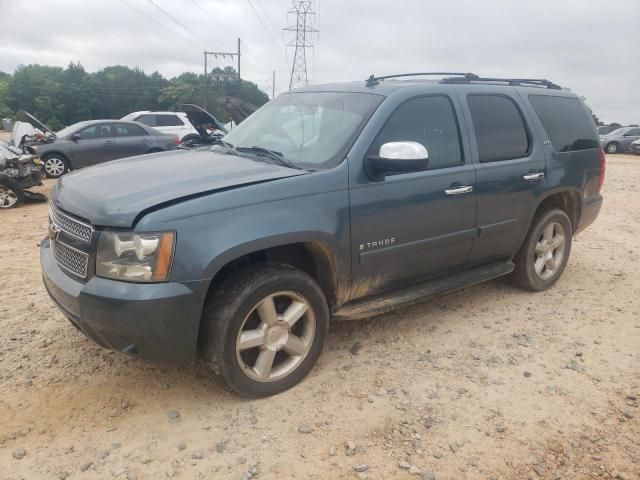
x=275, y=157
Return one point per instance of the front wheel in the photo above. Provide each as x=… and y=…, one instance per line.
x=55, y=166
x=545, y=252
x=612, y=148
x=265, y=328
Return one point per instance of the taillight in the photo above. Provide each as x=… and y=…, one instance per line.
x=603, y=167
x=176, y=140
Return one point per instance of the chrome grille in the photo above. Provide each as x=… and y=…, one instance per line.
x=71, y=226
x=70, y=259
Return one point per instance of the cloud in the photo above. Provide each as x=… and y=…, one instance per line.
x=588, y=46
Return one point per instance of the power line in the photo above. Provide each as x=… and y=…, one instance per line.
x=263, y=25
x=161, y=24
x=266, y=14
x=177, y=21
x=211, y=17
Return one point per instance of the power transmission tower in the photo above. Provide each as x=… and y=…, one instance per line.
x=303, y=27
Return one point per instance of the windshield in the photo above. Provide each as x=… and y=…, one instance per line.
x=310, y=130
x=617, y=131
x=67, y=130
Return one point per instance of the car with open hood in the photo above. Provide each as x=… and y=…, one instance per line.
x=331, y=202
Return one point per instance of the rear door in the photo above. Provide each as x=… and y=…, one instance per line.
x=414, y=226
x=171, y=123
x=131, y=140
x=510, y=167
x=95, y=145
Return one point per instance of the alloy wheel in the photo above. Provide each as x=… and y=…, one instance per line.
x=549, y=251
x=8, y=198
x=275, y=337
x=54, y=166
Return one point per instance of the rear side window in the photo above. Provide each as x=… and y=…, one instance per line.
x=500, y=129
x=566, y=121
x=147, y=119
x=429, y=121
x=129, y=130
x=168, y=121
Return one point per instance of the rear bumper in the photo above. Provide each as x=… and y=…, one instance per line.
x=590, y=210
x=158, y=322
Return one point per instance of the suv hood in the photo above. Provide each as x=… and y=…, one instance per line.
x=114, y=194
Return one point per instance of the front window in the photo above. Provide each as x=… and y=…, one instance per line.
x=311, y=130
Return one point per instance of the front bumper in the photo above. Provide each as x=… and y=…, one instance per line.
x=158, y=321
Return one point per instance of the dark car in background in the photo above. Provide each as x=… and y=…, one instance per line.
x=620, y=140
x=96, y=141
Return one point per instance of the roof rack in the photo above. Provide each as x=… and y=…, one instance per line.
x=453, y=77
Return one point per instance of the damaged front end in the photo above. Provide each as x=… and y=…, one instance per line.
x=18, y=172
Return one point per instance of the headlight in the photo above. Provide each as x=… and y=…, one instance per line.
x=135, y=257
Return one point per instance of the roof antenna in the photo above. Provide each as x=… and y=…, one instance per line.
x=372, y=81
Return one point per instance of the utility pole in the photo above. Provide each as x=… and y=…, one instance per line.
x=206, y=71
x=273, y=86
x=302, y=10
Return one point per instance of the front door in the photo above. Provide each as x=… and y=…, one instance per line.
x=95, y=145
x=131, y=140
x=414, y=226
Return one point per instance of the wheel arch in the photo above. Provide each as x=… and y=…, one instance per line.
x=58, y=153
x=566, y=199
x=312, y=254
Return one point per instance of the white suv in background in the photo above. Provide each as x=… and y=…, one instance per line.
x=176, y=123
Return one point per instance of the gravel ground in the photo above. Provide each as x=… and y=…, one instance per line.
x=487, y=383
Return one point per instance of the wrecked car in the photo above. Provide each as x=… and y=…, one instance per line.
x=18, y=172
x=209, y=129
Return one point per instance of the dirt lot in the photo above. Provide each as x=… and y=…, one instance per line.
x=487, y=383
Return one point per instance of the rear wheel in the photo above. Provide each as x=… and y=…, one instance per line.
x=612, y=147
x=55, y=166
x=11, y=194
x=545, y=252
x=265, y=328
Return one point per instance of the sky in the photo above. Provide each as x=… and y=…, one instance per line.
x=588, y=46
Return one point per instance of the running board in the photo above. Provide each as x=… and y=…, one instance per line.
x=423, y=291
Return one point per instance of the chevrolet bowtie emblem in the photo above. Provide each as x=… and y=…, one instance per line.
x=54, y=231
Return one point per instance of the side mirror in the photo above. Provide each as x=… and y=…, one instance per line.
x=395, y=158
x=75, y=137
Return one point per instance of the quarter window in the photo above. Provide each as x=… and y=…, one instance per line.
x=499, y=127
x=566, y=121
x=429, y=121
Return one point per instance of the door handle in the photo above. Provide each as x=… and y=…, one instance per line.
x=534, y=176
x=459, y=190
x=108, y=142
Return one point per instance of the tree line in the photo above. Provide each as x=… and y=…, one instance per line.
x=63, y=96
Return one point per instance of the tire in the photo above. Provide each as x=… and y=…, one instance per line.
x=55, y=165
x=242, y=304
x=611, y=147
x=545, y=251
x=11, y=194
